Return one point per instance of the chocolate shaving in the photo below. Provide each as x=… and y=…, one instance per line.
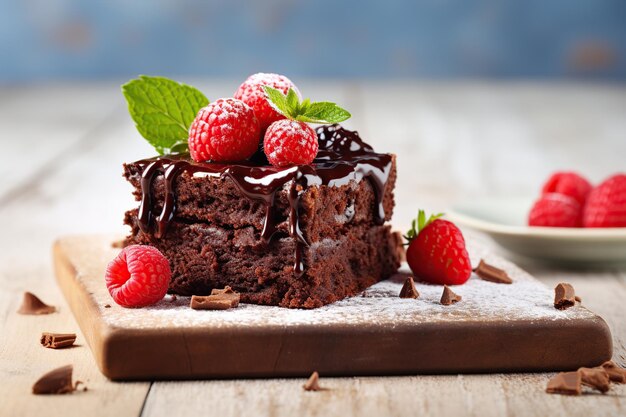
x=616, y=373
x=492, y=274
x=564, y=296
x=31, y=304
x=408, y=289
x=449, y=297
x=596, y=378
x=566, y=383
x=107, y=306
x=218, y=300
x=57, y=381
x=57, y=340
x=313, y=383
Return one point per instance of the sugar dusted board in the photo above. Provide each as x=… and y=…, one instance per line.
x=495, y=328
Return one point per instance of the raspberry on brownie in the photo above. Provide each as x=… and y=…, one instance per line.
x=295, y=236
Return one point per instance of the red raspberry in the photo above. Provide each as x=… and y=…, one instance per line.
x=251, y=92
x=225, y=131
x=438, y=254
x=138, y=276
x=289, y=142
x=555, y=210
x=570, y=184
x=606, y=204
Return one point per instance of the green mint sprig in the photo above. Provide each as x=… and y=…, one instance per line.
x=317, y=112
x=163, y=110
x=417, y=225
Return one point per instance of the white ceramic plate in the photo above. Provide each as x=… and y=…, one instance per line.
x=504, y=220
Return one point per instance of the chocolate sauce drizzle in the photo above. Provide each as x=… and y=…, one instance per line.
x=342, y=157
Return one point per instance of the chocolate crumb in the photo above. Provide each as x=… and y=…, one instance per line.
x=408, y=289
x=564, y=296
x=31, y=304
x=57, y=381
x=449, y=297
x=566, y=383
x=616, y=373
x=596, y=378
x=218, y=300
x=490, y=273
x=107, y=306
x=313, y=383
x=57, y=340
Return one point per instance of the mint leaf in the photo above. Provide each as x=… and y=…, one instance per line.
x=163, y=110
x=290, y=106
x=324, y=112
x=277, y=100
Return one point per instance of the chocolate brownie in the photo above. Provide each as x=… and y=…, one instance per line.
x=301, y=236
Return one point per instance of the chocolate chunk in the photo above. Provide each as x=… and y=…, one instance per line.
x=564, y=296
x=449, y=297
x=57, y=381
x=492, y=274
x=107, y=306
x=566, y=383
x=616, y=374
x=313, y=383
x=57, y=340
x=33, y=305
x=408, y=289
x=218, y=300
x=596, y=378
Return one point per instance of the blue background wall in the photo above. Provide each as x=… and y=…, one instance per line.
x=64, y=39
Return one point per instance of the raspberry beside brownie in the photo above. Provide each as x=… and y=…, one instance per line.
x=296, y=236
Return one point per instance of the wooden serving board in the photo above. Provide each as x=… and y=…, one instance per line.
x=495, y=328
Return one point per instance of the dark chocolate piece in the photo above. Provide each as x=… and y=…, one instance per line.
x=408, y=289
x=449, y=297
x=616, y=373
x=107, y=306
x=564, y=296
x=33, y=305
x=313, y=383
x=565, y=383
x=57, y=381
x=491, y=273
x=218, y=300
x=596, y=378
x=57, y=340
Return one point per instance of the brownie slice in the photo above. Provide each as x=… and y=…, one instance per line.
x=301, y=236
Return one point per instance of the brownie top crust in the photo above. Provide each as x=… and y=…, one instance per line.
x=343, y=162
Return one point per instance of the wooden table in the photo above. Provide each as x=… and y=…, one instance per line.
x=63, y=147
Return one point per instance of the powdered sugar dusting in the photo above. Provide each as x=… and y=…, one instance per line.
x=526, y=299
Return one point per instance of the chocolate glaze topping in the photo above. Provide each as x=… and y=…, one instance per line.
x=342, y=157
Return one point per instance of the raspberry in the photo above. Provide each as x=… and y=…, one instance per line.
x=138, y=276
x=555, y=210
x=570, y=184
x=224, y=131
x=606, y=204
x=251, y=92
x=437, y=253
x=289, y=142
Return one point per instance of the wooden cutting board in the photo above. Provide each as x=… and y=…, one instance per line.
x=495, y=328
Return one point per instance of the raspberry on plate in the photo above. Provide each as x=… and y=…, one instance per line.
x=289, y=142
x=251, y=92
x=224, y=131
x=437, y=252
x=570, y=184
x=606, y=204
x=555, y=210
x=139, y=276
